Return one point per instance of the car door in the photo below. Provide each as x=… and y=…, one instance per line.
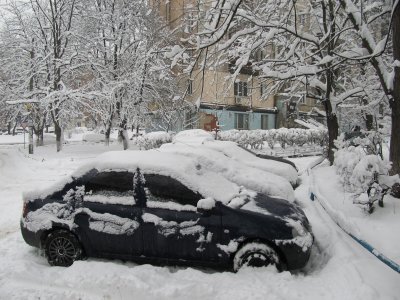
x=110, y=216
x=172, y=227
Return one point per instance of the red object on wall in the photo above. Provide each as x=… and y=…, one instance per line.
x=211, y=123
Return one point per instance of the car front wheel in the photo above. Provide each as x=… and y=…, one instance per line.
x=62, y=248
x=255, y=254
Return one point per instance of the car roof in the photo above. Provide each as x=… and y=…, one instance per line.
x=188, y=171
x=194, y=171
x=184, y=169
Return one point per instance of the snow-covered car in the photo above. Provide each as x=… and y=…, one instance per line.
x=150, y=206
x=201, y=143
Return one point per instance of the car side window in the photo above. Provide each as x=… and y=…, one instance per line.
x=110, y=187
x=162, y=188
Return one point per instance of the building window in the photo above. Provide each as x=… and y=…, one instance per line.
x=260, y=54
x=190, y=87
x=240, y=88
x=241, y=121
x=263, y=88
x=302, y=19
x=264, y=121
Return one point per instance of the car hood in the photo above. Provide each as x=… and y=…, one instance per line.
x=266, y=205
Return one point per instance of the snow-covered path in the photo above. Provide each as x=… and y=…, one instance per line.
x=338, y=269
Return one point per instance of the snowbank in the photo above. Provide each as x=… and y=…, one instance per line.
x=376, y=228
x=338, y=268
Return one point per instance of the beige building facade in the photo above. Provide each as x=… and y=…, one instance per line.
x=223, y=103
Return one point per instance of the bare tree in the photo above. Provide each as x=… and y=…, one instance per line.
x=123, y=42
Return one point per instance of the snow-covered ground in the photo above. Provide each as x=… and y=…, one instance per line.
x=378, y=228
x=338, y=268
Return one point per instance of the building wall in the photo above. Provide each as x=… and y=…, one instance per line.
x=226, y=119
x=215, y=88
x=218, y=90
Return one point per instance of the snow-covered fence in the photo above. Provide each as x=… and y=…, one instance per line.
x=282, y=136
x=152, y=140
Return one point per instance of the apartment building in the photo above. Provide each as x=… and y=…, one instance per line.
x=224, y=103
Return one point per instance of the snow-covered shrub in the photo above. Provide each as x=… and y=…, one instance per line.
x=362, y=169
x=356, y=167
x=282, y=137
x=270, y=138
x=152, y=140
x=293, y=137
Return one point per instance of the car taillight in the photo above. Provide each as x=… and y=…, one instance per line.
x=25, y=209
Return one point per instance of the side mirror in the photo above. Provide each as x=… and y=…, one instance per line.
x=205, y=205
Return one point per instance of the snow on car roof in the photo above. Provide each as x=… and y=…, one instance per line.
x=199, y=137
x=241, y=174
x=188, y=171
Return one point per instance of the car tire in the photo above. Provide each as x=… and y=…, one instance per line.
x=62, y=248
x=256, y=254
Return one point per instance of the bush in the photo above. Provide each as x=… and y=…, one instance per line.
x=356, y=165
x=152, y=140
x=255, y=139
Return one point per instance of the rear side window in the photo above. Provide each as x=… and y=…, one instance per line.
x=166, y=189
x=110, y=187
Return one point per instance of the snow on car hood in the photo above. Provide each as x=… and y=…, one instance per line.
x=289, y=213
x=274, y=206
x=234, y=170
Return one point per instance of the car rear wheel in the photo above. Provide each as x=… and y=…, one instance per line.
x=62, y=248
x=255, y=254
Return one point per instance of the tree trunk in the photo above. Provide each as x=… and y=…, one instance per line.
x=13, y=130
x=31, y=140
x=123, y=134
x=394, y=154
x=123, y=125
x=331, y=117
x=9, y=128
x=58, y=132
x=39, y=137
x=107, y=135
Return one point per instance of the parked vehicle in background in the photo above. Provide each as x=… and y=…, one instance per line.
x=199, y=140
x=151, y=206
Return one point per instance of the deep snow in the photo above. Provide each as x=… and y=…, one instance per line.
x=338, y=268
